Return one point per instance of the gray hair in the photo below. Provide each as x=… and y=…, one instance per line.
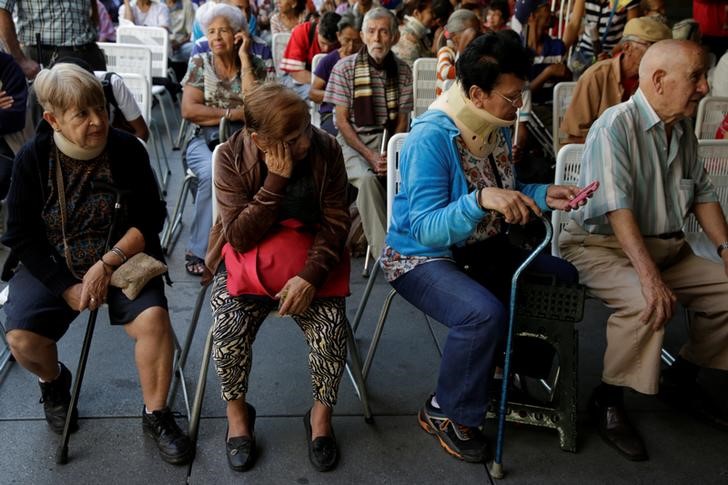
x=347, y=20
x=210, y=11
x=459, y=20
x=66, y=86
x=381, y=13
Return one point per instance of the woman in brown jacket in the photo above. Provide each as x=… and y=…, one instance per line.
x=279, y=167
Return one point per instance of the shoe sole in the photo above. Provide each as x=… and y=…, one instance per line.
x=172, y=459
x=429, y=429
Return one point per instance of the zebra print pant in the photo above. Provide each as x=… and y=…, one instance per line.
x=236, y=321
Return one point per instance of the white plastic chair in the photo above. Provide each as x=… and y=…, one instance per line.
x=137, y=59
x=714, y=156
x=394, y=148
x=568, y=167
x=562, y=98
x=424, y=78
x=157, y=40
x=711, y=112
x=278, y=46
x=315, y=115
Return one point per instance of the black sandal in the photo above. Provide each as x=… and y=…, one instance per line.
x=194, y=265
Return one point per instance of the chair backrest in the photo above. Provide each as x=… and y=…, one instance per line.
x=568, y=166
x=155, y=38
x=711, y=112
x=129, y=58
x=315, y=119
x=713, y=154
x=394, y=148
x=424, y=78
x=562, y=97
x=215, y=155
x=139, y=88
x=278, y=46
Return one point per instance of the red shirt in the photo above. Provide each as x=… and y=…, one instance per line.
x=712, y=16
x=299, y=52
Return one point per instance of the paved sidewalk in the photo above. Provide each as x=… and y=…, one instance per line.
x=110, y=448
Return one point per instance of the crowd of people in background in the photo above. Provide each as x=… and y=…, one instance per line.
x=472, y=165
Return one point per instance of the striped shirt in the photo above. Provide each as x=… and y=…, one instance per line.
x=340, y=91
x=598, y=12
x=626, y=151
x=59, y=23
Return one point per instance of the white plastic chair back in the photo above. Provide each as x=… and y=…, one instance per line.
x=128, y=58
x=424, y=77
x=713, y=154
x=568, y=166
x=394, y=148
x=278, y=46
x=711, y=112
x=315, y=115
x=155, y=38
x=139, y=88
x=215, y=155
x=563, y=93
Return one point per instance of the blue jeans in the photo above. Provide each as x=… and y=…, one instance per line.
x=199, y=160
x=476, y=313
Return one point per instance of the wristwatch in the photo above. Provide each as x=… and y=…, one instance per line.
x=721, y=247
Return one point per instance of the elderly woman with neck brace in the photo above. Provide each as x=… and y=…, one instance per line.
x=60, y=214
x=446, y=251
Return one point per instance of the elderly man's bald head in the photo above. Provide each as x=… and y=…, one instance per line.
x=672, y=78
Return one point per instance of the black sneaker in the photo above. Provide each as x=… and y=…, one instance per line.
x=463, y=442
x=174, y=446
x=56, y=397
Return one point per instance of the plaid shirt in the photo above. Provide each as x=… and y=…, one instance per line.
x=59, y=23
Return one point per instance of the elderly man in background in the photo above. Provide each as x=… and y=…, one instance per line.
x=371, y=92
x=611, y=81
x=630, y=251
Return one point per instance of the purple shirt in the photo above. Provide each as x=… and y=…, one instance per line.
x=323, y=71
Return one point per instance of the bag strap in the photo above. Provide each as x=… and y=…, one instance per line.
x=62, y=203
x=109, y=89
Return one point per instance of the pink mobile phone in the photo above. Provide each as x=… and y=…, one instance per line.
x=583, y=194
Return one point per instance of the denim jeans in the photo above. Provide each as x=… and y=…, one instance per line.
x=199, y=160
x=476, y=312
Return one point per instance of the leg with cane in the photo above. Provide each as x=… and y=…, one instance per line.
x=62, y=454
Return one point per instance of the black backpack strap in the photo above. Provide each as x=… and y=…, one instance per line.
x=109, y=90
x=311, y=33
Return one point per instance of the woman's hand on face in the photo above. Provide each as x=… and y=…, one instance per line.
x=278, y=159
x=515, y=206
x=95, y=286
x=244, y=40
x=558, y=196
x=295, y=297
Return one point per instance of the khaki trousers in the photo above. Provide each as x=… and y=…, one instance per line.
x=372, y=197
x=632, y=358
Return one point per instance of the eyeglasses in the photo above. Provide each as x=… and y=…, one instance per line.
x=514, y=102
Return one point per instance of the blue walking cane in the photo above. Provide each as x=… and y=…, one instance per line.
x=496, y=468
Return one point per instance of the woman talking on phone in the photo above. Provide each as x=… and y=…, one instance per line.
x=213, y=88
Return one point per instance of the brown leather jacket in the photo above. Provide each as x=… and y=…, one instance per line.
x=248, y=203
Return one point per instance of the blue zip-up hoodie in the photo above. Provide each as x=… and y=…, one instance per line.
x=434, y=209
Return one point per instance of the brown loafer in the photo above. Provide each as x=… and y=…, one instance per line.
x=617, y=431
